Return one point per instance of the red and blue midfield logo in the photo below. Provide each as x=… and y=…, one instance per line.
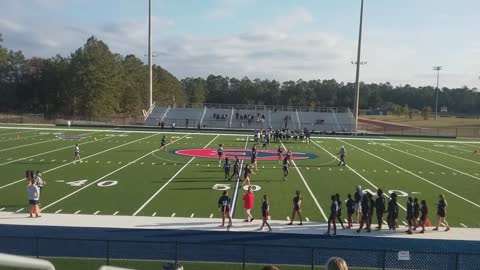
x=242, y=154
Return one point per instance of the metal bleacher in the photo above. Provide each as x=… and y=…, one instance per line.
x=224, y=116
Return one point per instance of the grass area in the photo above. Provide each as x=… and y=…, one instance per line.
x=94, y=264
x=128, y=165
x=418, y=121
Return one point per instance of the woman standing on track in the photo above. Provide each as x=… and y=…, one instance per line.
x=297, y=209
x=248, y=199
x=442, y=213
x=424, y=215
x=224, y=205
x=265, y=213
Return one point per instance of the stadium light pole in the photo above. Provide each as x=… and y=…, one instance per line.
x=358, y=63
x=150, y=71
x=437, y=69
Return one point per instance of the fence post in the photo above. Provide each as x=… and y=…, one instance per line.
x=37, y=250
x=108, y=252
x=384, y=258
x=244, y=255
x=176, y=252
x=313, y=258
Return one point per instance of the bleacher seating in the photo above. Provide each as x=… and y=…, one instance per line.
x=253, y=117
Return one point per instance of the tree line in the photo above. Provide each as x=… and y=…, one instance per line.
x=93, y=81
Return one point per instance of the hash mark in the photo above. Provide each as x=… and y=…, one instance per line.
x=154, y=214
x=77, y=212
x=172, y=215
x=58, y=211
x=463, y=225
x=404, y=223
x=19, y=210
x=115, y=213
x=192, y=215
x=96, y=212
x=307, y=219
x=3, y=208
x=211, y=215
x=288, y=218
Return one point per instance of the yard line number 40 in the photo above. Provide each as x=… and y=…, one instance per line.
x=223, y=187
x=79, y=183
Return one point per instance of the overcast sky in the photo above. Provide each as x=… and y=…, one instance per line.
x=274, y=39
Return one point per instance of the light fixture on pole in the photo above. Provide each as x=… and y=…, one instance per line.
x=150, y=71
x=437, y=69
x=358, y=63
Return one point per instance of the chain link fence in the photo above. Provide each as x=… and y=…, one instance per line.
x=232, y=255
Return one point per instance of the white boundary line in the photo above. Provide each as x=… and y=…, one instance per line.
x=366, y=138
x=416, y=175
x=443, y=153
x=431, y=161
x=44, y=153
x=72, y=162
x=103, y=177
x=171, y=179
x=235, y=194
x=308, y=187
x=357, y=173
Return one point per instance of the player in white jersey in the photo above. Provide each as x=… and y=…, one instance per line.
x=76, y=153
x=220, y=154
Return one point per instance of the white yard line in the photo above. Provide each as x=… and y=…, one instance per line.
x=96, y=213
x=58, y=211
x=431, y=161
x=355, y=172
x=44, y=153
x=116, y=213
x=171, y=179
x=105, y=176
x=412, y=173
x=238, y=183
x=73, y=162
x=463, y=225
x=308, y=187
x=236, y=135
x=77, y=212
x=3, y=208
x=443, y=153
x=19, y=210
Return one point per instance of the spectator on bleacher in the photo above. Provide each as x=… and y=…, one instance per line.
x=442, y=213
x=380, y=208
x=248, y=199
x=336, y=263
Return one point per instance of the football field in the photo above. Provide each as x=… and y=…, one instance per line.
x=123, y=172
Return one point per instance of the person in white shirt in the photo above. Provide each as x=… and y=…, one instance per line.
x=34, y=199
x=39, y=182
x=76, y=153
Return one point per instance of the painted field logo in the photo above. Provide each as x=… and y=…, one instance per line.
x=241, y=154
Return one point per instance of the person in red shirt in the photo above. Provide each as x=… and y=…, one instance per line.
x=248, y=198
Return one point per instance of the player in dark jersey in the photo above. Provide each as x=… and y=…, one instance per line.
x=392, y=211
x=416, y=213
x=226, y=168
x=333, y=215
x=247, y=171
x=372, y=207
x=265, y=213
x=350, y=210
x=265, y=143
x=424, y=215
x=380, y=208
x=442, y=213
x=280, y=154
x=409, y=215
x=236, y=169
x=289, y=155
x=365, y=213
x=253, y=159
x=339, y=213
x=297, y=208
x=286, y=165
x=343, y=155
x=163, y=144
x=224, y=205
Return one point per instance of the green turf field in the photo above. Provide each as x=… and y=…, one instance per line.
x=123, y=173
